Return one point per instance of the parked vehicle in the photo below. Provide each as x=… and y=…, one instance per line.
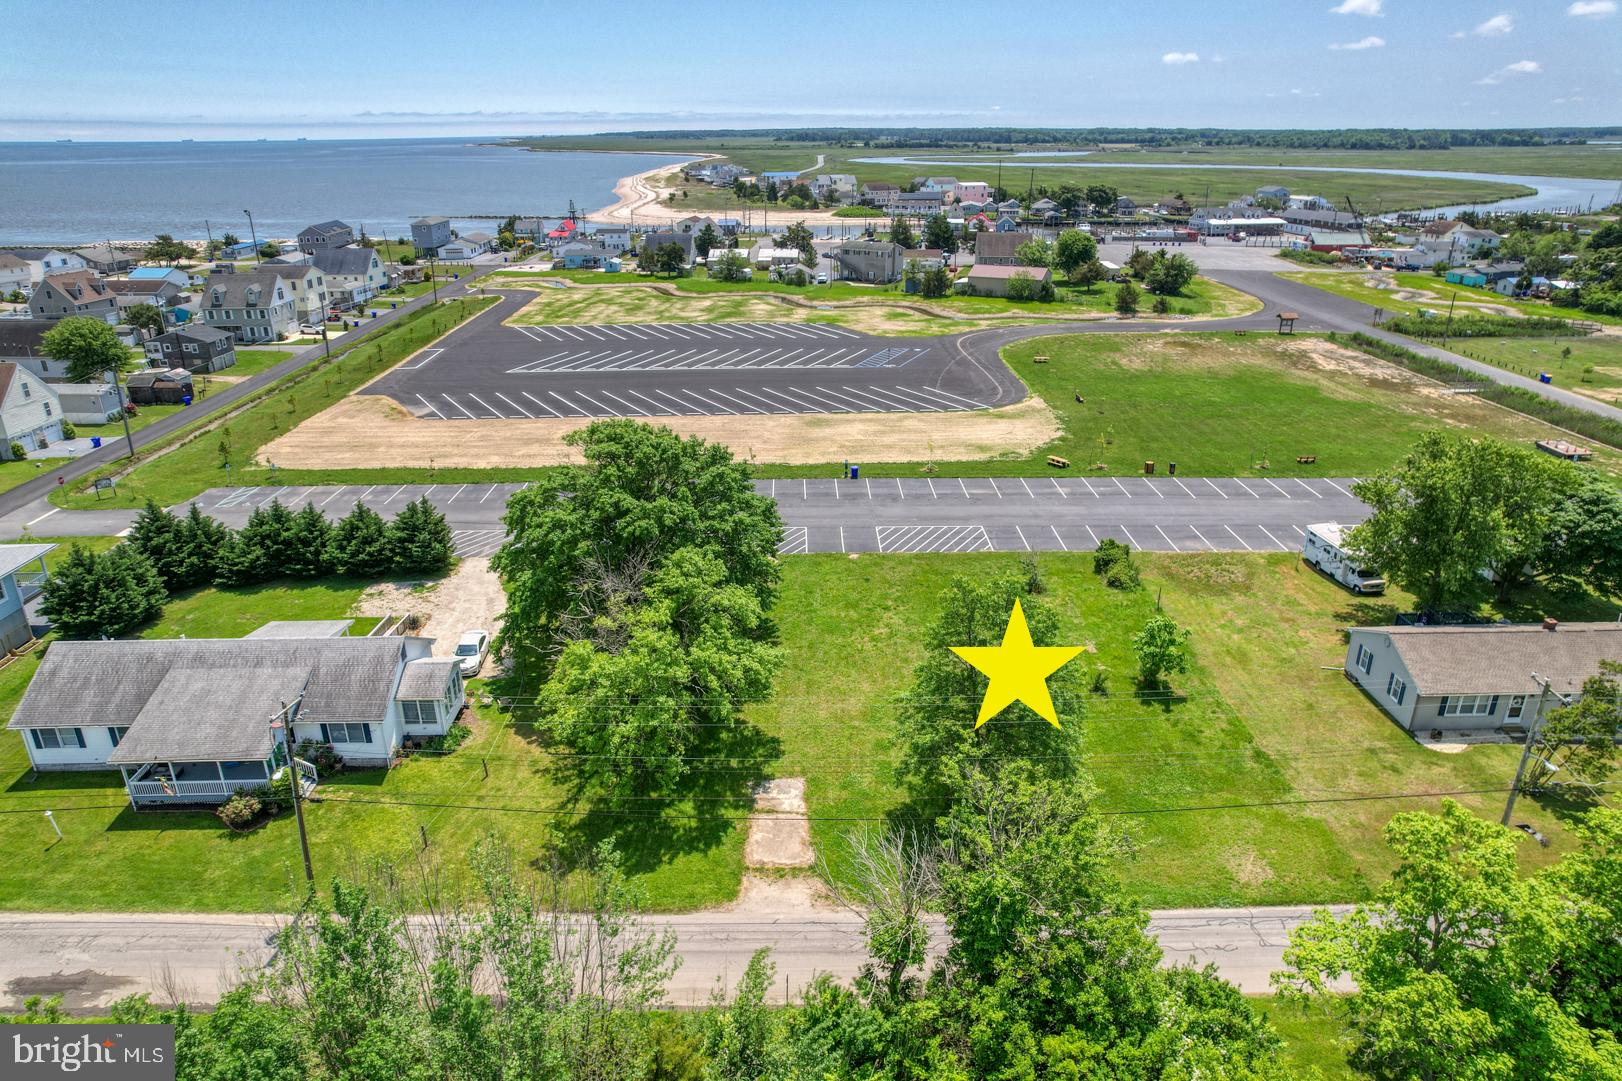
x=1321, y=548
x=471, y=651
x=311, y=329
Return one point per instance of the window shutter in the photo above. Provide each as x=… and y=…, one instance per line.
x=366, y=733
x=78, y=734
x=326, y=737
x=39, y=741
x=1441, y=711
x=1492, y=707
x=112, y=734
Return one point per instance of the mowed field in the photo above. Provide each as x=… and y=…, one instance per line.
x=1266, y=779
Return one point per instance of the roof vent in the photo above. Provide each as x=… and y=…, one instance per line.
x=1550, y=623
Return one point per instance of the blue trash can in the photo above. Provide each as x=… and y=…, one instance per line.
x=1545, y=377
x=855, y=472
x=185, y=400
x=95, y=442
x=392, y=305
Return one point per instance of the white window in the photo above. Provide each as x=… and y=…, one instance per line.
x=1395, y=688
x=415, y=712
x=1467, y=705
x=51, y=739
x=27, y=391
x=346, y=733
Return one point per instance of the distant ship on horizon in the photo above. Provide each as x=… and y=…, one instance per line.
x=64, y=140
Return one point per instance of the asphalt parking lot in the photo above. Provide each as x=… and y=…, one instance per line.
x=891, y=515
x=490, y=369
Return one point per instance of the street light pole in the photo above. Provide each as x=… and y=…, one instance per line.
x=254, y=235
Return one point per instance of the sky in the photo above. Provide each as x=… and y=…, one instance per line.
x=354, y=69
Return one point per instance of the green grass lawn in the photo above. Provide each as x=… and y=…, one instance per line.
x=253, y=361
x=1593, y=368
x=1259, y=732
x=1354, y=285
x=1312, y=1035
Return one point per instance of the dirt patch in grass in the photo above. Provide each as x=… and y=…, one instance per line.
x=780, y=893
x=361, y=431
x=469, y=598
x=779, y=831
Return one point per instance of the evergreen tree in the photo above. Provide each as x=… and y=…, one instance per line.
x=260, y=550
x=93, y=596
x=901, y=233
x=360, y=545
x=198, y=540
x=156, y=534
x=310, y=534
x=420, y=539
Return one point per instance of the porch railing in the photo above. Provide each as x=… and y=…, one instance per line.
x=29, y=585
x=188, y=791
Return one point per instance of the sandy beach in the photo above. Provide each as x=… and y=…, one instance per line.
x=636, y=201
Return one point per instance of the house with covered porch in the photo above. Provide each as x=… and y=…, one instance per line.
x=22, y=576
x=191, y=721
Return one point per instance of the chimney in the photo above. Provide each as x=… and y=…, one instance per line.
x=1550, y=623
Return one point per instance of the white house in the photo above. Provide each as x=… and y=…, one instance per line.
x=616, y=238
x=1309, y=202
x=87, y=403
x=352, y=276
x=1453, y=242
x=43, y=261
x=765, y=254
x=308, y=283
x=946, y=185
x=188, y=721
x=15, y=275
x=250, y=305
x=466, y=246
x=30, y=412
x=1477, y=679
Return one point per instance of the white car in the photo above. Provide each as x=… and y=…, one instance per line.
x=471, y=650
x=311, y=329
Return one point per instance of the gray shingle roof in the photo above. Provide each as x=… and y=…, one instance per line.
x=233, y=289
x=425, y=678
x=203, y=699
x=989, y=245
x=325, y=228
x=14, y=557
x=1501, y=659
x=344, y=261
x=22, y=337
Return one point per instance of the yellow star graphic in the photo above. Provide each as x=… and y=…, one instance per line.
x=1018, y=670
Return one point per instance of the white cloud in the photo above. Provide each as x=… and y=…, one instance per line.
x=1593, y=9
x=1180, y=58
x=1298, y=92
x=1359, y=7
x=1519, y=67
x=1495, y=27
x=1370, y=42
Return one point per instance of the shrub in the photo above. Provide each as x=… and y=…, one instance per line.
x=1480, y=326
x=91, y=595
x=456, y=735
x=1109, y=553
x=320, y=755
x=1032, y=575
x=240, y=811
x=69, y=431
x=1123, y=575
x=18, y=451
x=1021, y=287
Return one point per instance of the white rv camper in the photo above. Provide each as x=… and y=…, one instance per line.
x=1321, y=547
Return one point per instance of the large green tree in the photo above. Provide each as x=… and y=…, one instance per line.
x=938, y=233
x=1454, y=506
x=1465, y=969
x=147, y=317
x=106, y=594
x=90, y=347
x=421, y=539
x=901, y=233
x=1073, y=250
x=166, y=249
x=935, y=718
x=706, y=239
x=1169, y=275
x=1583, y=539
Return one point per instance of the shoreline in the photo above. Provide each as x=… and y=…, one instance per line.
x=634, y=197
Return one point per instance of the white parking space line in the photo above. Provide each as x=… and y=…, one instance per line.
x=1059, y=488
x=1281, y=545
x=949, y=398
x=1238, y=538
x=1130, y=539
x=427, y=355
x=1185, y=488
x=1203, y=541
x=530, y=332
x=771, y=406
x=323, y=503
x=540, y=403
x=659, y=408
x=430, y=407
x=569, y=332
x=396, y=492
x=1309, y=487
x=784, y=393
x=639, y=410
x=1246, y=487
x=606, y=411
x=488, y=494
x=743, y=405
x=883, y=403
x=1022, y=540
x=1091, y=534
x=493, y=412
x=459, y=405
x=1165, y=538
x=1299, y=530
x=1090, y=489
x=796, y=541
x=691, y=393
x=1155, y=488
x=840, y=405
x=632, y=331
x=456, y=493
x=908, y=394
x=1122, y=487
x=1214, y=488
x=574, y=410
x=1337, y=487
x=1276, y=488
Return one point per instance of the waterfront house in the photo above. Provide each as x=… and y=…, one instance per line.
x=251, y=305
x=616, y=238
x=869, y=260
x=194, y=348
x=1276, y=192
x=429, y=234
x=1477, y=679
x=308, y=283
x=73, y=293
x=241, y=250
x=22, y=576
x=106, y=259
x=30, y=413
x=356, y=272
x=466, y=247
x=652, y=242
x=325, y=236
x=189, y=721
x=584, y=255
x=43, y=261
x=180, y=279
x=15, y=275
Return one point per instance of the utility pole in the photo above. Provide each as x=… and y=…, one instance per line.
x=254, y=234
x=1448, y=327
x=433, y=278
x=1526, y=751
x=283, y=722
x=123, y=414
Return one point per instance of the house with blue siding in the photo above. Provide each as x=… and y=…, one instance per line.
x=22, y=576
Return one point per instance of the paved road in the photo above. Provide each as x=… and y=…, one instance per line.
x=885, y=515
x=93, y=959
